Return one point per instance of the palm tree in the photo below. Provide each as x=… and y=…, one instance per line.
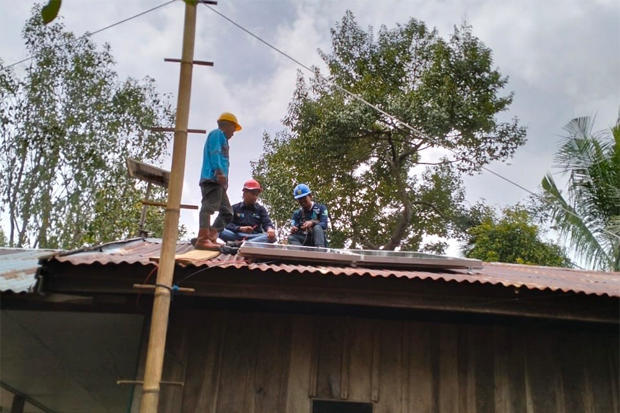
x=589, y=217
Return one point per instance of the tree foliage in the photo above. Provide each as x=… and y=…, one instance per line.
x=512, y=238
x=67, y=126
x=588, y=214
x=3, y=241
x=371, y=170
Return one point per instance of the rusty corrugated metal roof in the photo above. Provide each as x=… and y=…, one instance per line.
x=18, y=268
x=140, y=251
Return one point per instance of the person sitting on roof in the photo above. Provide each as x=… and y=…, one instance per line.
x=309, y=221
x=250, y=219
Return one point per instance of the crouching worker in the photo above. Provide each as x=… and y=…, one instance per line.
x=250, y=219
x=214, y=182
x=309, y=221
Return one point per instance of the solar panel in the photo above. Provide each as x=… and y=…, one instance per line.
x=419, y=259
x=296, y=253
x=148, y=173
x=366, y=258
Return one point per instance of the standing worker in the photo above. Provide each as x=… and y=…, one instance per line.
x=309, y=221
x=250, y=219
x=214, y=182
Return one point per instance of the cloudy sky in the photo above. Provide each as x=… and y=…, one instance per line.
x=562, y=58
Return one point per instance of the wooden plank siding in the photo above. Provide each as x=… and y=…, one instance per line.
x=258, y=362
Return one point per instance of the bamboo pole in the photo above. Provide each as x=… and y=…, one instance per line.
x=161, y=303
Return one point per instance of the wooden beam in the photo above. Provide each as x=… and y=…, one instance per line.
x=140, y=382
x=26, y=398
x=375, y=374
x=160, y=129
x=18, y=404
x=163, y=204
x=152, y=287
x=390, y=293
x=196, y=62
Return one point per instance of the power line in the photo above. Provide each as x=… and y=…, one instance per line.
x=262, y=41
x=88, y=34
x=395, y=119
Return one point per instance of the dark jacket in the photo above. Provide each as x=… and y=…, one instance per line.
x=317, y=212
x=244, y=216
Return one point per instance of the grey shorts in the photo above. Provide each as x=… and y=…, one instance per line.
x=214, y=198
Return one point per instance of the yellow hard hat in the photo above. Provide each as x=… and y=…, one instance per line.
x=231, y=118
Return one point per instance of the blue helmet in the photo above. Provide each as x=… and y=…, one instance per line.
x=301, y=191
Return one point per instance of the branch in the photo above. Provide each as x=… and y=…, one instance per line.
x=406, y=154
x=433, y=207
x=437, y=163
x=370, y=245
x=405, y=218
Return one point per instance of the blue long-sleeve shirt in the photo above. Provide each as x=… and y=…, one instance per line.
x=250, y=216
x=317, y=212
x=215, y=156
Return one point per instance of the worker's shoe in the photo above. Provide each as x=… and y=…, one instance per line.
x=206, y=240
x=213, y=234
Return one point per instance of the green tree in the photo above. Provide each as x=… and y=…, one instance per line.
x=512, y=238
x=367, y=167
x=588, y=214
x=3, y=241
x=67, y=126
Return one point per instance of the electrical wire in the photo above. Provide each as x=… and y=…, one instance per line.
x=394, y=118
x=88, y=34
x=145, y=281
x=201, y=270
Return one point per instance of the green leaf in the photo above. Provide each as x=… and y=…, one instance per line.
x=49, y=12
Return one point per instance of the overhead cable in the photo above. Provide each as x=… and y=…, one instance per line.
x=394, y=118
x=88, y=34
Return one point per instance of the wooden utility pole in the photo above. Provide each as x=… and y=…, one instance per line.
x=165, y=273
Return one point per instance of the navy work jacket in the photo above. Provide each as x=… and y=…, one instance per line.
x=254, y=216
x=317, y=212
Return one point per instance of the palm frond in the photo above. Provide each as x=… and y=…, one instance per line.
x=573, y=228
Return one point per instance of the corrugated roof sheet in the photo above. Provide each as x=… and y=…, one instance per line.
x=139, y=251
x=18, y=268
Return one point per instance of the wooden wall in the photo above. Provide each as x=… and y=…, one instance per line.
x=265, y=363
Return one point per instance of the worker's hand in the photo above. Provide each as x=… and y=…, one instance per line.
x=247, y=230
x=294, y=230
x=307, y=225
x=271, y=234
x=221, y=179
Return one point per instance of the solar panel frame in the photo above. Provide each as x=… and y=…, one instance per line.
x=371, y=258
x=297, y=252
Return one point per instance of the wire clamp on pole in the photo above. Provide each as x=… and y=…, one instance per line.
x=173, y=289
